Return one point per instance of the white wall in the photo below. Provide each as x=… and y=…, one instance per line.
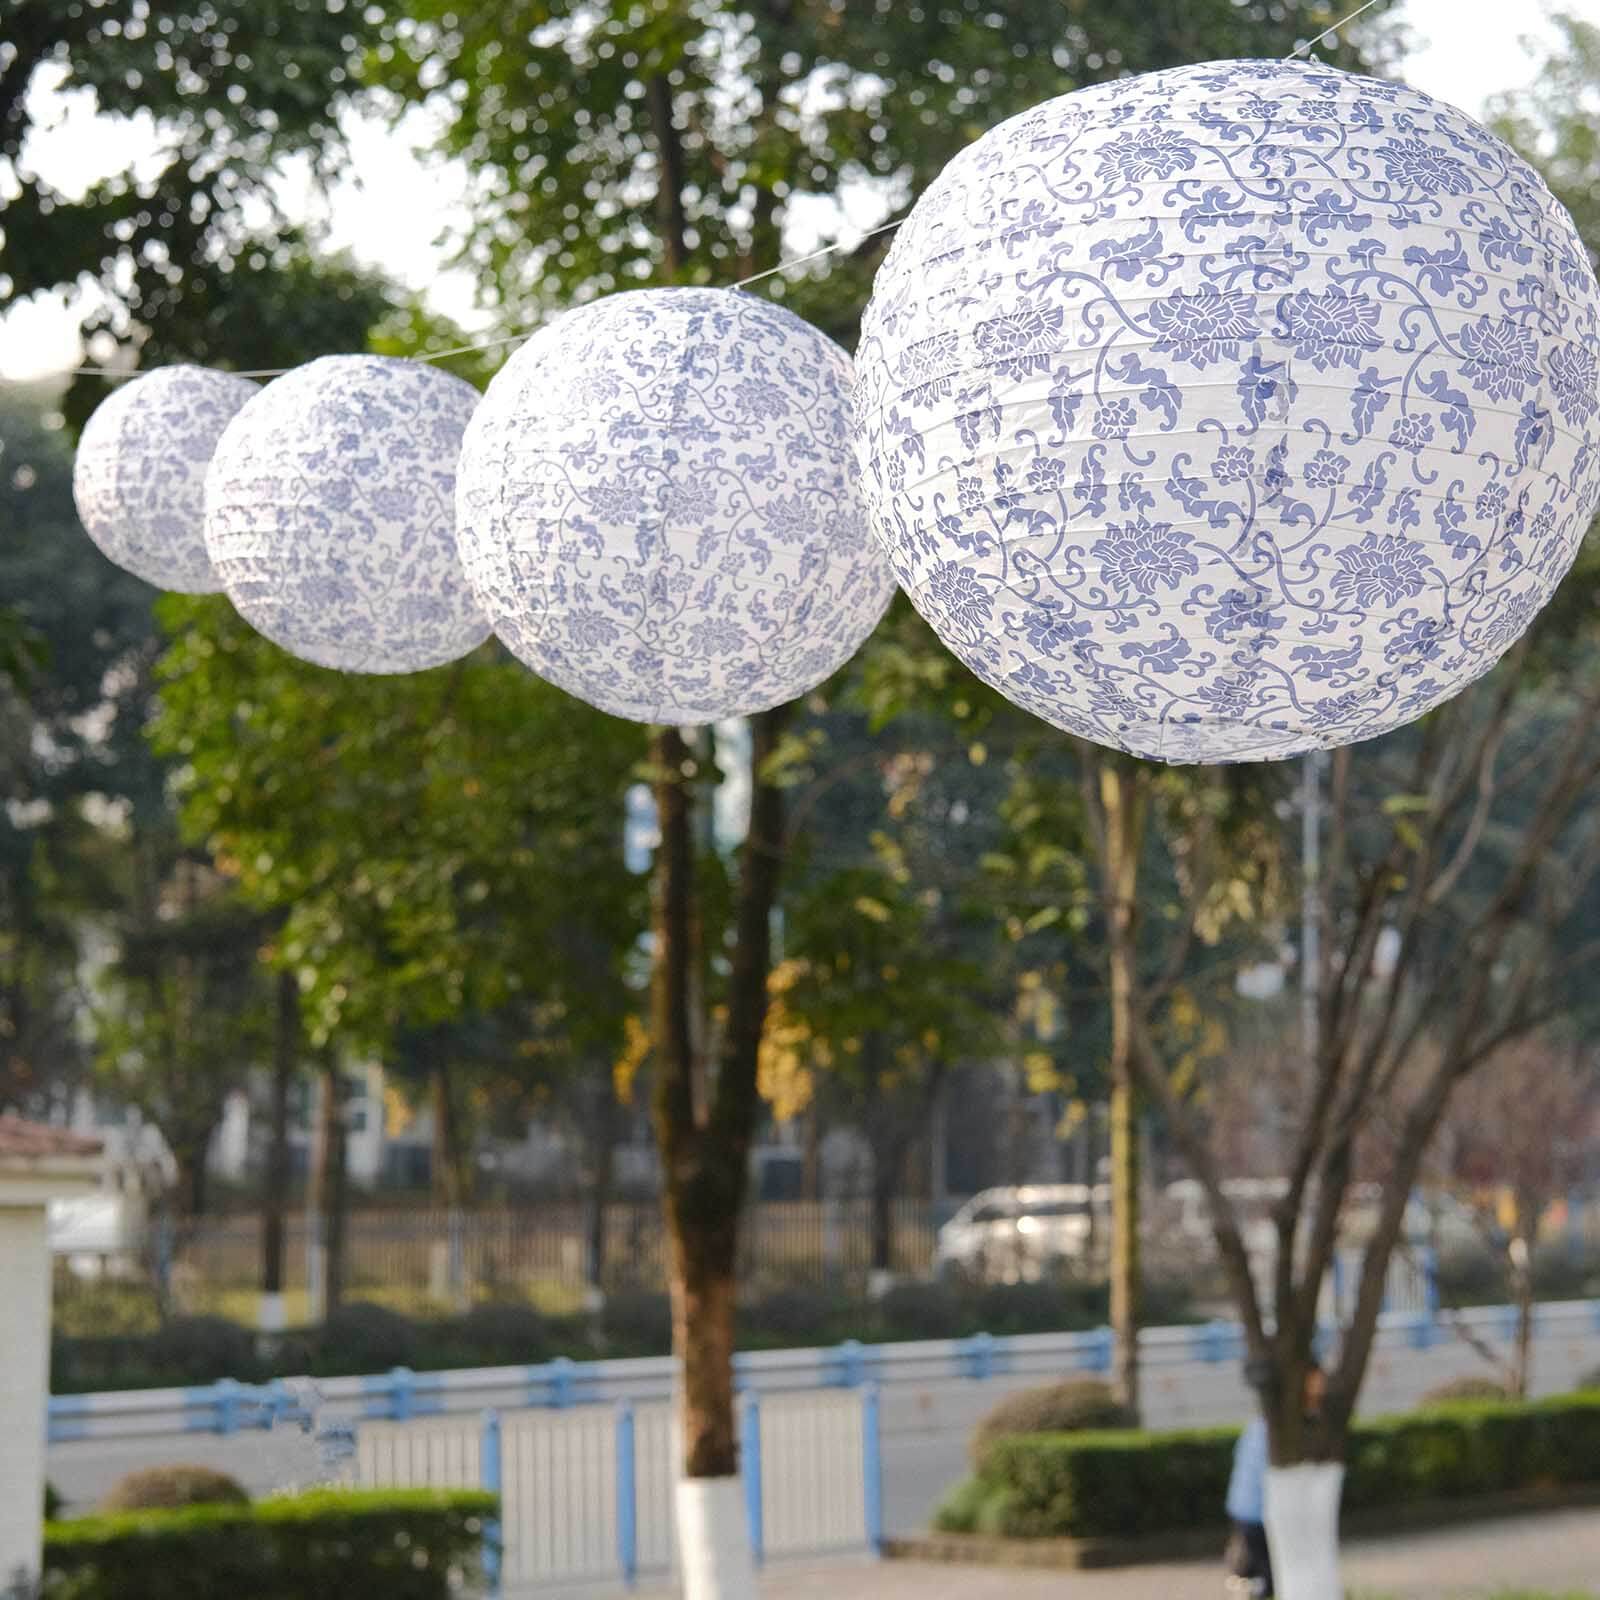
x=24, y=1384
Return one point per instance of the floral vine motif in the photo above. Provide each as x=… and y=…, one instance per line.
x=1232, y=411
x=140, y=472
x=659, y=509
x=330, y=515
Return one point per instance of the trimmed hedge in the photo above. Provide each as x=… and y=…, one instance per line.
x=1075, y=1405
x=1471, y=1390
x=362, y=1337
x=400, y=1544
x=170, y=1488
x=1126, y=1485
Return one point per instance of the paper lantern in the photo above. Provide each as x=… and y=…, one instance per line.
x=1232, y=411
x=330, y=510
x=658, y=507
x=139, y=477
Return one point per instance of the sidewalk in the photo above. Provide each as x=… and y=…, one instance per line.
x=1558, y=1552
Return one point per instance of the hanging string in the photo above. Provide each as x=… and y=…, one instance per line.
x=744, y=283
x=504, y=339
x=1311, y=44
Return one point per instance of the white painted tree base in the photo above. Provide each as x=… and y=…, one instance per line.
x=1303, y=1529
x=714, y=1540
x=272, y=1315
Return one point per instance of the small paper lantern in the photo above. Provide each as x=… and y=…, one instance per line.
x=658, y=507
x=330, y=510
x=140, y=472
x=1232, y=411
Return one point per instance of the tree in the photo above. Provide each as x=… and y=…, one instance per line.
x=442, y=854
x=877, y=1002
x=1516, y=1137
x=72, y=769
x=1120, y=864
x=612, y=145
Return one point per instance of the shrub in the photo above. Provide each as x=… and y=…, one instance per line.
x=363, y=1337
x=52, y=1501
x=500, y=1333
x=404, y=1545
x=202, y=1350
x=1458, y=1391
x=169, y=1488
x=974, y=1506
x=958, y=1511
x=1074, y=1405
x=1130, y=1484
x=1117, y=1483
x=1472, y=1275
x=925, y=1311
x=637, y=1322
x=791, y=1317
x=1004, y=1309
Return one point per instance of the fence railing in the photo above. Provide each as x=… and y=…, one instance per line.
x=586, y=1495
x=402, y=1395
x=789, y=1242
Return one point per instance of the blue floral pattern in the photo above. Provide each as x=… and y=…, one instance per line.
x=659, y=509
x=140, y=473
x=1232, y=411
x=330, y=510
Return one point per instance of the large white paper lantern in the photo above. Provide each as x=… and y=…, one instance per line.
x=330, y=510
x=658, y=506
x=1232, y=411
x=140, y=472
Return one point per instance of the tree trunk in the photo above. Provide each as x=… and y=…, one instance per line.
x=883, y=1185
x=811, y=1170
x=328, y=1182
x=705, y=1148
x=275, y=1192
x=190, y=1156
x=1122, y=796
x=602, y=1140
x=1302, y=1511
x=451, y=1171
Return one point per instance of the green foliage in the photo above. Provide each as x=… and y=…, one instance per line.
x=1125, y=1485
x=1075, y=1405
x=975, y=1505
x=404, y=1545
x=204, y=1349
x=171, y=1487
x=444, y=851
x=74, y=774
x=361, y=1337
x=559, y=109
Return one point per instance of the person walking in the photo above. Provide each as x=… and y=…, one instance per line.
x=1248, y=1559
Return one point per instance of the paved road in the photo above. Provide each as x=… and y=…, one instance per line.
x=1558, y=1552
x=925, y=1426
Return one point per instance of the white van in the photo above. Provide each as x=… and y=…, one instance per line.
x=1019, y=1235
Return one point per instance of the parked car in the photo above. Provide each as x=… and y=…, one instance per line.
x=1019, y=1235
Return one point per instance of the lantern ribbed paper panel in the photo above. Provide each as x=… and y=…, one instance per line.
x=140, y=472
x=659, y=511
x=330, y=515
x=1232, y=411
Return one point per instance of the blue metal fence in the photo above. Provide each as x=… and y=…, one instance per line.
x=401, y=1395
